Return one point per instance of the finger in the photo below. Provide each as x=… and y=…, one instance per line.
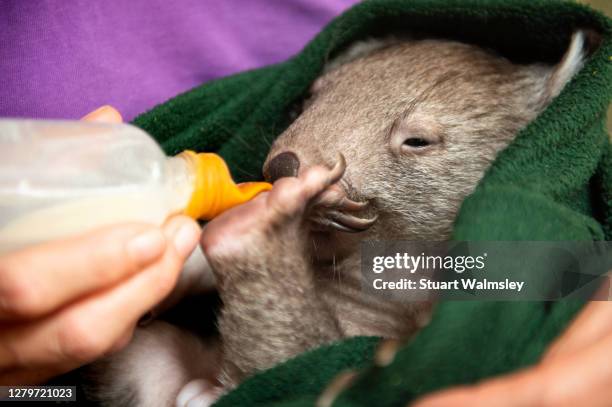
x=592, y=324
x=184, y=233
x=583, y=378
x=91, y=327
x=122, y=341
x=38, y=280
x=519, y=389
x=105, y=114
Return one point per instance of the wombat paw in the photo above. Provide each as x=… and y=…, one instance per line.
x=198, y=393
x=269, y=216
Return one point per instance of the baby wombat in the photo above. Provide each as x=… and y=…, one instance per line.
x=408, y=128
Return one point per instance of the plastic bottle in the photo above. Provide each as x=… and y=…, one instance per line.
x=61, y=178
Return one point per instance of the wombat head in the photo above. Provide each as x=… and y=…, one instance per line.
x=419, y=122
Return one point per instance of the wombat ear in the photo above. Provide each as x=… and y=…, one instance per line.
x=357, y=50
x=570, y=64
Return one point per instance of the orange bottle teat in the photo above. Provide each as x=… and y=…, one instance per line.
x=214, y=189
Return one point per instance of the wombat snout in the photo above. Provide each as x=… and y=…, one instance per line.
x=285, y=164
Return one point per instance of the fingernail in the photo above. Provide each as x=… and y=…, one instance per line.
x=147, y=246
x=186, y=238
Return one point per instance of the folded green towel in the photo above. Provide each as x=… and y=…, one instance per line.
x=554, y=182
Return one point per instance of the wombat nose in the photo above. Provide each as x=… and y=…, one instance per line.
x=283, y=165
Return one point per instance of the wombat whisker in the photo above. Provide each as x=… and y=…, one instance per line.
x=244, y=172
x=403, y=114
x=336, y=272
x=244, y=143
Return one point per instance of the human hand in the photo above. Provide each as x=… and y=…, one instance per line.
x=66, y=303
x=575, y=371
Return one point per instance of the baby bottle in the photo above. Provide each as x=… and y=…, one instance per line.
x=61, y=178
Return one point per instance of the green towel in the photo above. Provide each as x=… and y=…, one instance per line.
x=554, y=182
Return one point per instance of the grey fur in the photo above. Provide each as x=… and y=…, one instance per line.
x=294, y=286
x=297, y=288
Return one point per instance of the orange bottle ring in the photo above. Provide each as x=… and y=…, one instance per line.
x=214, y=189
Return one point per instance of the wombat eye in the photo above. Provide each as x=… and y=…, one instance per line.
x=414, y=136
x=416, y=142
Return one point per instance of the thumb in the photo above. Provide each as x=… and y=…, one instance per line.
x=524, y=388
